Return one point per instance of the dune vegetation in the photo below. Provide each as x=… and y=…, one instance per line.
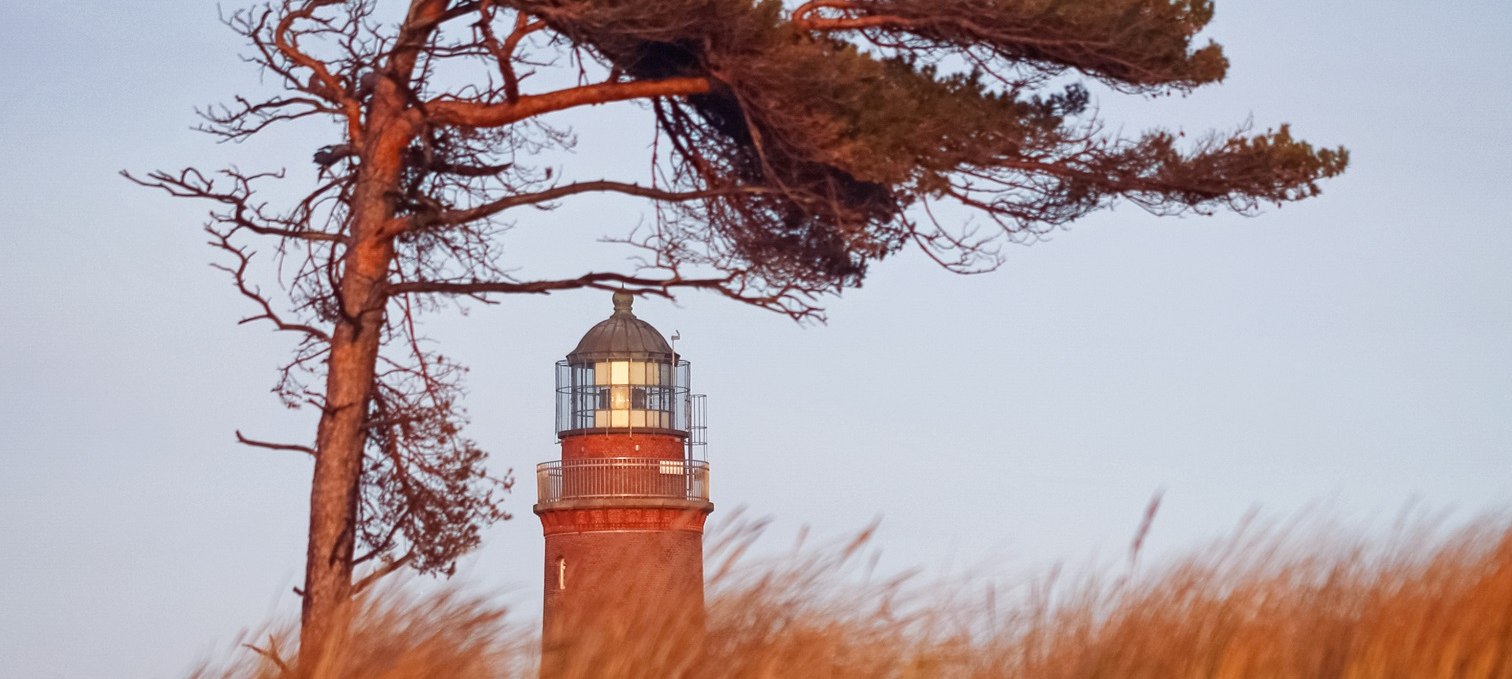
x=1282, y=600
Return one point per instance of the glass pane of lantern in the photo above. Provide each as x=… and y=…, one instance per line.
x=601, y=373
x=638, y=418
x=619, y=372
x=638, y=372
x=619, y=418
x=582, y=399
x=619, y=398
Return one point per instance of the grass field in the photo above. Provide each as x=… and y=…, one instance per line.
x=1284, y=601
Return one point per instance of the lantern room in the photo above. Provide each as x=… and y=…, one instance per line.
x=623, y=376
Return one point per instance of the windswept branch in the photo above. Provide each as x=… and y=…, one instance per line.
x=454, y=217
x=481, y=115
x=1132, y=45
x=638, y=285
x=792, y=300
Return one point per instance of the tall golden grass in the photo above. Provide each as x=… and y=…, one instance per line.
x=1288, y=601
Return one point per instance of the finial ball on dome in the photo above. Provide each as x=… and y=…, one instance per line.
x=622, y=301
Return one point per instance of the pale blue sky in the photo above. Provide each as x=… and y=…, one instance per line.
x=1352, y=351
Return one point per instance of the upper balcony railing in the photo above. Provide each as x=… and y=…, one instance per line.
x=622, y=477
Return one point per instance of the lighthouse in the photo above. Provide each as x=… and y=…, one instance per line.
x=623, y=509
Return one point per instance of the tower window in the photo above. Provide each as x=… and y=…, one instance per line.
x=561, y=573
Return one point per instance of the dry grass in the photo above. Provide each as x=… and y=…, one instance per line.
x=1275, y=603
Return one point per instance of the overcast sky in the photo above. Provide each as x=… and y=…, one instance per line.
x=1350, y=353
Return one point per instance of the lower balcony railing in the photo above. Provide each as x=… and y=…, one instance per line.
x=622, y=477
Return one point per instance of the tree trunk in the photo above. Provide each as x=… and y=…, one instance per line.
x=387, y=131
x=334, y=492
x=342, y=436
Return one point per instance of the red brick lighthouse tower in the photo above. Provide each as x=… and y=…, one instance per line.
x=623, y=510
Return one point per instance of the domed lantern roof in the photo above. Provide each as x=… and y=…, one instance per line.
x=621, y=336
x=622, y=376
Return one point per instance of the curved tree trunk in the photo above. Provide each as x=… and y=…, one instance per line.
x=350, y=368
x=387, y=130
x=338, y=463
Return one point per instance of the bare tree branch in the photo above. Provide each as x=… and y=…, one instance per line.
x=600, y=186
x=388, y=568
x=191, y=183
x=322, y=82
x=239, y=277
x=273, y=446
x=272, y=655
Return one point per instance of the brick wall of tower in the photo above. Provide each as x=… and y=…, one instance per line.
x=658, y=446
x=623, y=592
x=614, y=573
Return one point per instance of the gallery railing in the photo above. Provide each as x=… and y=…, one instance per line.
x=622, y=477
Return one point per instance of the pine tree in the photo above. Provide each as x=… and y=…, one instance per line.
x=796, y=146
